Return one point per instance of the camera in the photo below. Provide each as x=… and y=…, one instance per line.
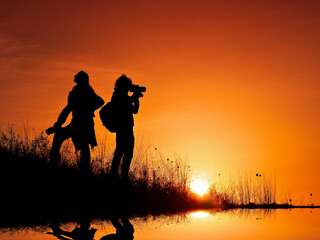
x=137, y=88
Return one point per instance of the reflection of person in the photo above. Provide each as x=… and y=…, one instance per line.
x=124, y=106
x=124, y=230
x=82, y=102
x=84, y=232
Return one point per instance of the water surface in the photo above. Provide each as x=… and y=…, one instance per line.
x=235, y=224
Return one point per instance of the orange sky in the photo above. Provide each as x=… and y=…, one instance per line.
x=235, y=86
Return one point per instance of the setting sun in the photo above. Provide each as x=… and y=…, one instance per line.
x=199, y=186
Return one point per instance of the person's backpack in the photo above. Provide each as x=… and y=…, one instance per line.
x=108, y=118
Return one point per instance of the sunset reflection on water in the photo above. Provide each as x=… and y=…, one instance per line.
x=236, y=224
x=199, y=214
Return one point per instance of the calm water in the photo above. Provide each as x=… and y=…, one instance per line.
x=253, y=224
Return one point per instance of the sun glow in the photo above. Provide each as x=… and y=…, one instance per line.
x=199, y=214
x=199, y=186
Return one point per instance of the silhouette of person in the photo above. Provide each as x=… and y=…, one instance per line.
x=124, y=230
x=82, y=102
x=124, y=106
x=84, y=232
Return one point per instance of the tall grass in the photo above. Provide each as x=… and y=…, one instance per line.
x=24, y=144
x=152, y=176
x=246, y=189
x=149, y=167
x=155, y=170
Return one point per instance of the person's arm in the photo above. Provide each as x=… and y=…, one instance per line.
x=63, y=116
x=136, y=106
x=135, y=103
x=66, y=111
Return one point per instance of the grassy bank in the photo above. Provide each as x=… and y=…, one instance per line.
x=33, y=190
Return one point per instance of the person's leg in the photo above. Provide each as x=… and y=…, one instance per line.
x=117, y=155
x=128, y=154
x=59, y=137
x=85, y=160
x=127, y=225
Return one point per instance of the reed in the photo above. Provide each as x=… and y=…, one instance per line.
x=155, y=182
x=246, y=189
x=24, y=144
x=154, y=179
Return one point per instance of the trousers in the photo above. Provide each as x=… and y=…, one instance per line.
x=124, y=149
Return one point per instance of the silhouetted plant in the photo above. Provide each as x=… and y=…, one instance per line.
x=247, y=189
x=154, y=177
x=23, y=145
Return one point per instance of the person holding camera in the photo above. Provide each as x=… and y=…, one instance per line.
x=124, y=106
x=82, y=102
